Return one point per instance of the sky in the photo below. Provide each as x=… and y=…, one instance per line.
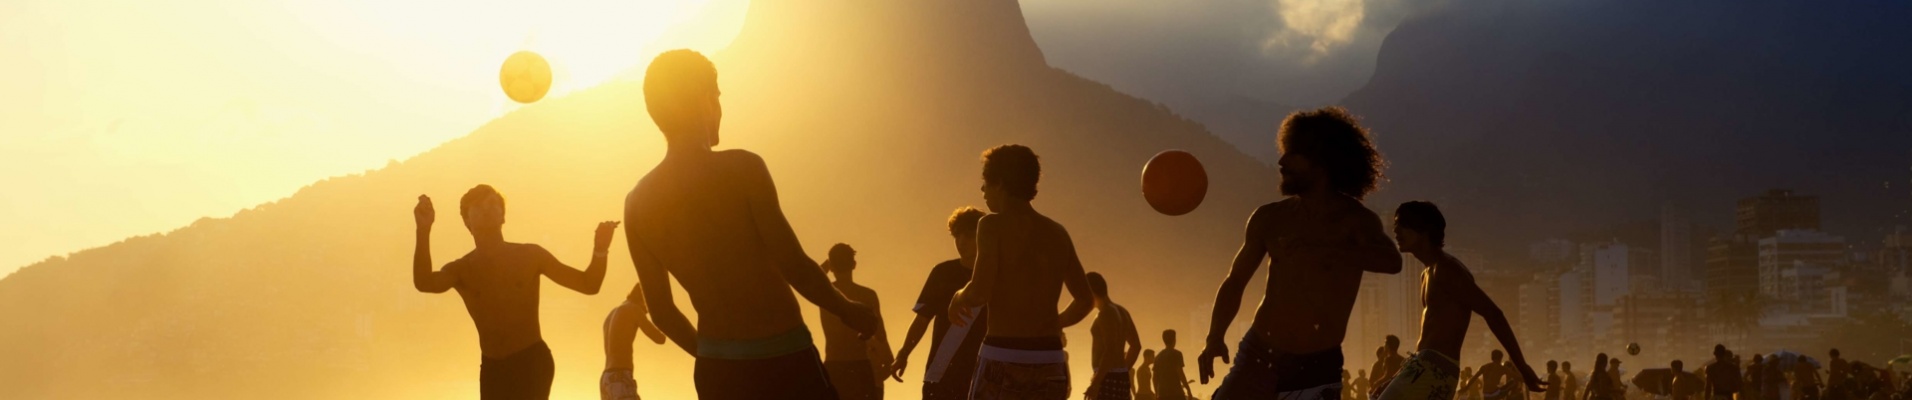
x=129, y=118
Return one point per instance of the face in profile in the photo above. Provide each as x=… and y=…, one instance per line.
x=994, y=195
x=486, y=215
x=712, y=112
x=1409, y=240
x=966, y=248
x=1297, y=174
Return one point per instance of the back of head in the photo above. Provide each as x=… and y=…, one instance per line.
x=1677, y=365
x=1392, y=342
x=1496, y=355
x=1098, y=285
x=1425, y=218
x=476, y=197
x=1719, y=350
x=842, y=257
x=1333, y=139
x=963, y=221
x=1015, y=167
x=676, y=85
x=1168, y=336
x=1600, y=362
x=1835, y=353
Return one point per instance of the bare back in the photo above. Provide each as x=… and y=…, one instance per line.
x=1036, y=256
x=500, y=291
x=1445, y=313
x=1309, y=297
x=696, y=220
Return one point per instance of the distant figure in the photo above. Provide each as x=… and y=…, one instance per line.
x=1449, y=300
x=1145, y=377
x=620, y=330
x=1360, y=389
x=1600, y=385
x=1387, y=361
x=1114, y=345
x=711, y=220
x=1723, y=380
x=1023, y=262
x=1170, y=381
x=499, y=282
x=932, y=305
x=1469, y=386
x=1570, y=382
x=1773, y=377
x=1755, y=383
x=853, y=362
x=1805, y=382
x=1553, y=380
x=1838, y=374
x=1619, y=382
x=1677, y=384
x=1319, y=240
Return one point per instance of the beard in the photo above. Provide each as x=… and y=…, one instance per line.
x=1293, y=185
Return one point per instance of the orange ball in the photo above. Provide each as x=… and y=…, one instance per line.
x=1174, y=182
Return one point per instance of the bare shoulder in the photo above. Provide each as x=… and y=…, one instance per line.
x=1271, y=213
x=740, y=160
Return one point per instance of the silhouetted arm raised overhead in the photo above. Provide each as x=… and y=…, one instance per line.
x=423, y=278
x=592, y=278
x=1081, y=300
x=655, y=283
x=1254, y=249
x=783, y=249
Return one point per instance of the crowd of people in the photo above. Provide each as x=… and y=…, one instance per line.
x=711, y=221
x=1728, y=376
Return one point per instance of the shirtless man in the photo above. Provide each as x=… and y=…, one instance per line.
x=499, y=283
x=1023, y=261
x=1722, y=375
x=711, y=220
x=932, y=305
x=1387, y=360
x=1449, y=300
x=1320, y=240
x=853, y=362
x=1553, y=380
x=1114, y=345
x=620, y=329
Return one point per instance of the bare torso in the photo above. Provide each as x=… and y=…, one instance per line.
x=840, y=342
x=1444, y=316
x=1308, y=299
x=1035, y=258
x=500, y=290
x=696, y=220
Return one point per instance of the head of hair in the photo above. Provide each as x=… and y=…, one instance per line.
x=673, y=85
x=1332, y=139
x=1566, y=365
x=1168, y=335
x=1551, y=365
x=1424, y=218
x=1496, y=355
x=1835, y=353
x=1600, y=362
x=963, y=221
x=1677, y=365
x=1719, y=350
x=1393, y=341
x=842, y=251
x=1097, y=285
x=476, y=195
x=1015, y=168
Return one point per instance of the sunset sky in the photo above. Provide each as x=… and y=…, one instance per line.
x=129, y=118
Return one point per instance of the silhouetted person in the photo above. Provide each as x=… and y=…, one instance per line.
x=1723, y=380
x=498, y=281
x=1755, y=382
x=1570, y=382
x=1114, y=345
x=1450, y=299
x=1470, y=384
x=1613, y=375
x=1553, y=380
x=1387, y=361
x=1023, y=262
x=1145, y=377
x=1773, y=377
x=1805, y=382
x=1838, y=373
x=1319, y=241
x=1361, y=384
x=620, y=330
x=1170, y=381
x=932, y=305
x=711, y=220
x=857, y=366
x=1600, y=384
x=1677, y=384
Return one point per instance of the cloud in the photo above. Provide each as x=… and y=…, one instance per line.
x=1314, y=28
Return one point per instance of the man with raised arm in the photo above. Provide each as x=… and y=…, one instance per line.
x=1023, y=262
x=711, y=220
x=1319, y=240
x=853, y=360
x=498, y=281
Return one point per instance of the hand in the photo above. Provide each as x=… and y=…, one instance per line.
x=896, y=368
x=1534, y=384
x=1206, y=361
x=604, y=231
x=959, y=315
x=859, y=317
x=423, y=213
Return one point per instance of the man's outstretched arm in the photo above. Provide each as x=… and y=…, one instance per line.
x=423, y=278
x=656, y=282
x=1478, y=301
x=982, y=280
x=915, y=334
x=796, y=267
x=1254, y=249
x=592, y=278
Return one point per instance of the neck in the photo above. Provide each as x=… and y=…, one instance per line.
x=1430, y=257
x=845, y=277
x=1016, y=206
x=487, y=240
x=676, y=149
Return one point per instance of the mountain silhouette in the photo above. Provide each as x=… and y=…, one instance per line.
x=872, y=117
x=1551, y=118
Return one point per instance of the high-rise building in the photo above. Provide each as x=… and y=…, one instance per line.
x=1778, y=209
x=1798, y=254
x=1611, y=266
x=1676, y=247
